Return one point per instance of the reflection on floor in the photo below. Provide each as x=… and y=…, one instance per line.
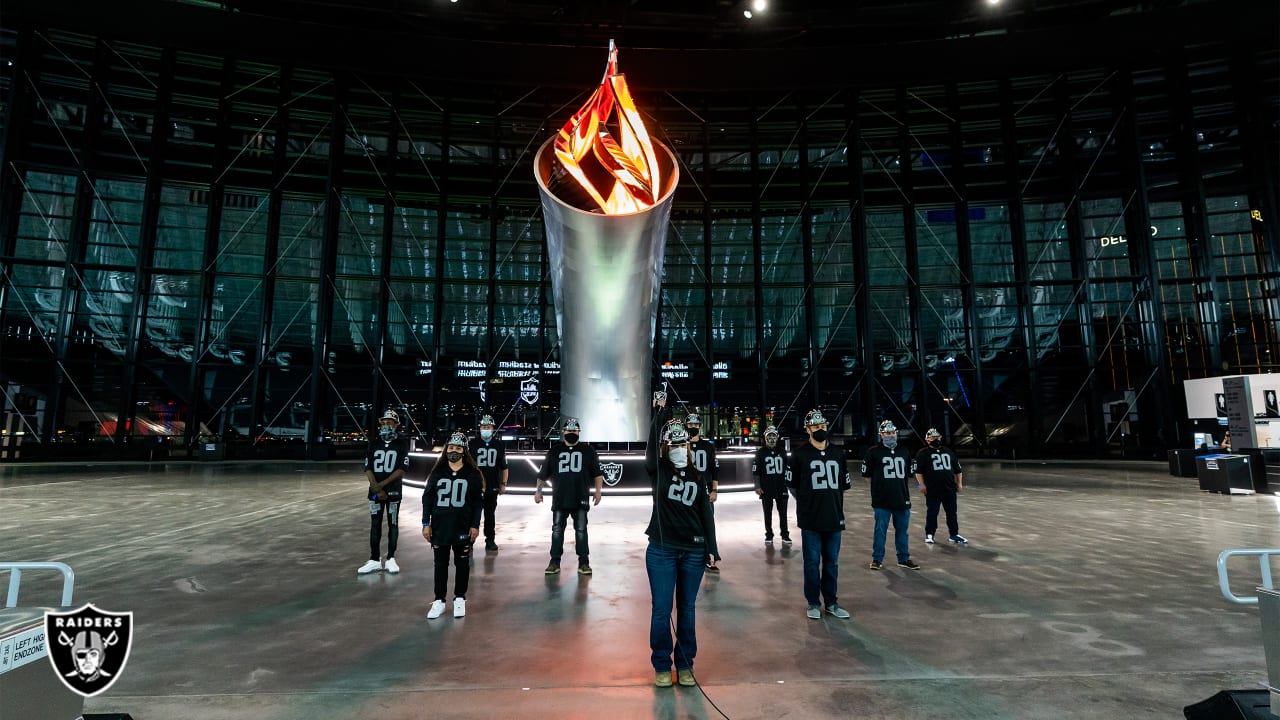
x=1087, y=591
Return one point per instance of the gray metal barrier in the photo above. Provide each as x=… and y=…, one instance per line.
x=1268, y=602
x=15, y=579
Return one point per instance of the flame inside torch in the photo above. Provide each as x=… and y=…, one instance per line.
x=612, y=161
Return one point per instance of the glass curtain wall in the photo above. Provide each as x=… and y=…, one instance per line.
x=198, y=247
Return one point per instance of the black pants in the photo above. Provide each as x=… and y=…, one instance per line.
x=461, y=567
x=559, y=518
x=392, y=509
x=490, y=505
x=947, y=500
x=768, y=503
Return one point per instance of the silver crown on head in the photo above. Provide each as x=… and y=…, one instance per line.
x=571, y=425
x=675, y=433
x=458, y=439
x=887, y=427
x=486, y=420
x=815, y=417
x=932, y=433
x=771, y=430
x=391, y=415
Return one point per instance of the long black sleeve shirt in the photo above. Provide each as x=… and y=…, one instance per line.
x=681, y=517
x=451, y=503
x=384, y=458
x=769, y=471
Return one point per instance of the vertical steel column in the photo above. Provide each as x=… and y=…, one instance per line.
x=77, y=244
x=806, y=243
x=381, y=385
x=266, y=316
x=491, y=303
x=909, y=243
x=321, y=403
x=437, y=308
x=14, y=125
x=1080, y=266
x=1157, y=406
x=861, y=258
x=213, y=228
x=1018, y=241
x=1200, y=252
x=757, y=249
x=147, y=235
x=964, y=249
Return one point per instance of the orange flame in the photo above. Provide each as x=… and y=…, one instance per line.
x=588, y=151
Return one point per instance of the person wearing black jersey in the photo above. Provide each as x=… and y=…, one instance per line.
x=570, y=465
x=681, y=536
x=819, y=476
x=385, y=463
x=887, y=465
x=939, y=477
x=491, y=458
x=702, y=455
x=451, y=520
x=769, y=471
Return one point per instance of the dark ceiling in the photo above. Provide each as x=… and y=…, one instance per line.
x=693, y=24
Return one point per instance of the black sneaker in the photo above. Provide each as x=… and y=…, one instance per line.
x=584, y=569
x=713, y=569
x=490, y=546
x=908, y=564
x=786, y=541
x=768, y=541
x=875, y=565
x=553, y=568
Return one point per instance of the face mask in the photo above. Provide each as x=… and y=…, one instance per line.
x=679, y=456
x=935, y=443
x=386, y=432
x=771, y=442
x=890, y=442
x=486, y=434
x=571, y=438
x=819, y=435
x=453, y=456
x=694, y=430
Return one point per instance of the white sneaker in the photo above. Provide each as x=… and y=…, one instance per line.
x=459, y=607
x=928, y=539
x=371, y=566
x=437, y=609
x=392, y=566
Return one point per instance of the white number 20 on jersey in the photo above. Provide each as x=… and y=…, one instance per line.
x=826, y=474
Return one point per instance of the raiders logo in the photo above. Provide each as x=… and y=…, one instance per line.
x=88, y=647
x=612, y=473
x=529, y=391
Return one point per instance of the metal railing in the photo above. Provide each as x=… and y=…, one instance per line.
x=1264, y=562
x=15, y=578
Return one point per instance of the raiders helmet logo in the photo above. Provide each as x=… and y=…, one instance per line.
x=88, y=647
x=612, y=473
x=529, y=391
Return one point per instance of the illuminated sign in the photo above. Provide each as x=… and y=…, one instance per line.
x=675, y=370
x=502, y=369
x=424, y=367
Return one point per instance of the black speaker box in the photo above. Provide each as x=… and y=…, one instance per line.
x=1232, y=705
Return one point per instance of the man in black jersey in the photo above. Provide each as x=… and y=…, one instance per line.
x=887, y=466
x=385, y=463
x=769, y=471
x=819, y=477
x=491, y=458
x=939, y=476
x=570, y=465
x=702, y=455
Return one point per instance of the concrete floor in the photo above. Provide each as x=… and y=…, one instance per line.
x=1088, y=591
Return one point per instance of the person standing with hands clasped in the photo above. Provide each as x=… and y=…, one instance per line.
x=769, y=470
x=451, y=520
x=681, y=536
x=385, y=463
x=939, y=477
x=570, y=465
x=819, y=477
x=887, y=465
x=491, y=458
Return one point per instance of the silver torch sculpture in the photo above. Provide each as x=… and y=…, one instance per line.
x=606, y=191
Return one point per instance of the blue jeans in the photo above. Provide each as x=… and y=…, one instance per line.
x=821, y=564
x=900, y=519
x=673, y=574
